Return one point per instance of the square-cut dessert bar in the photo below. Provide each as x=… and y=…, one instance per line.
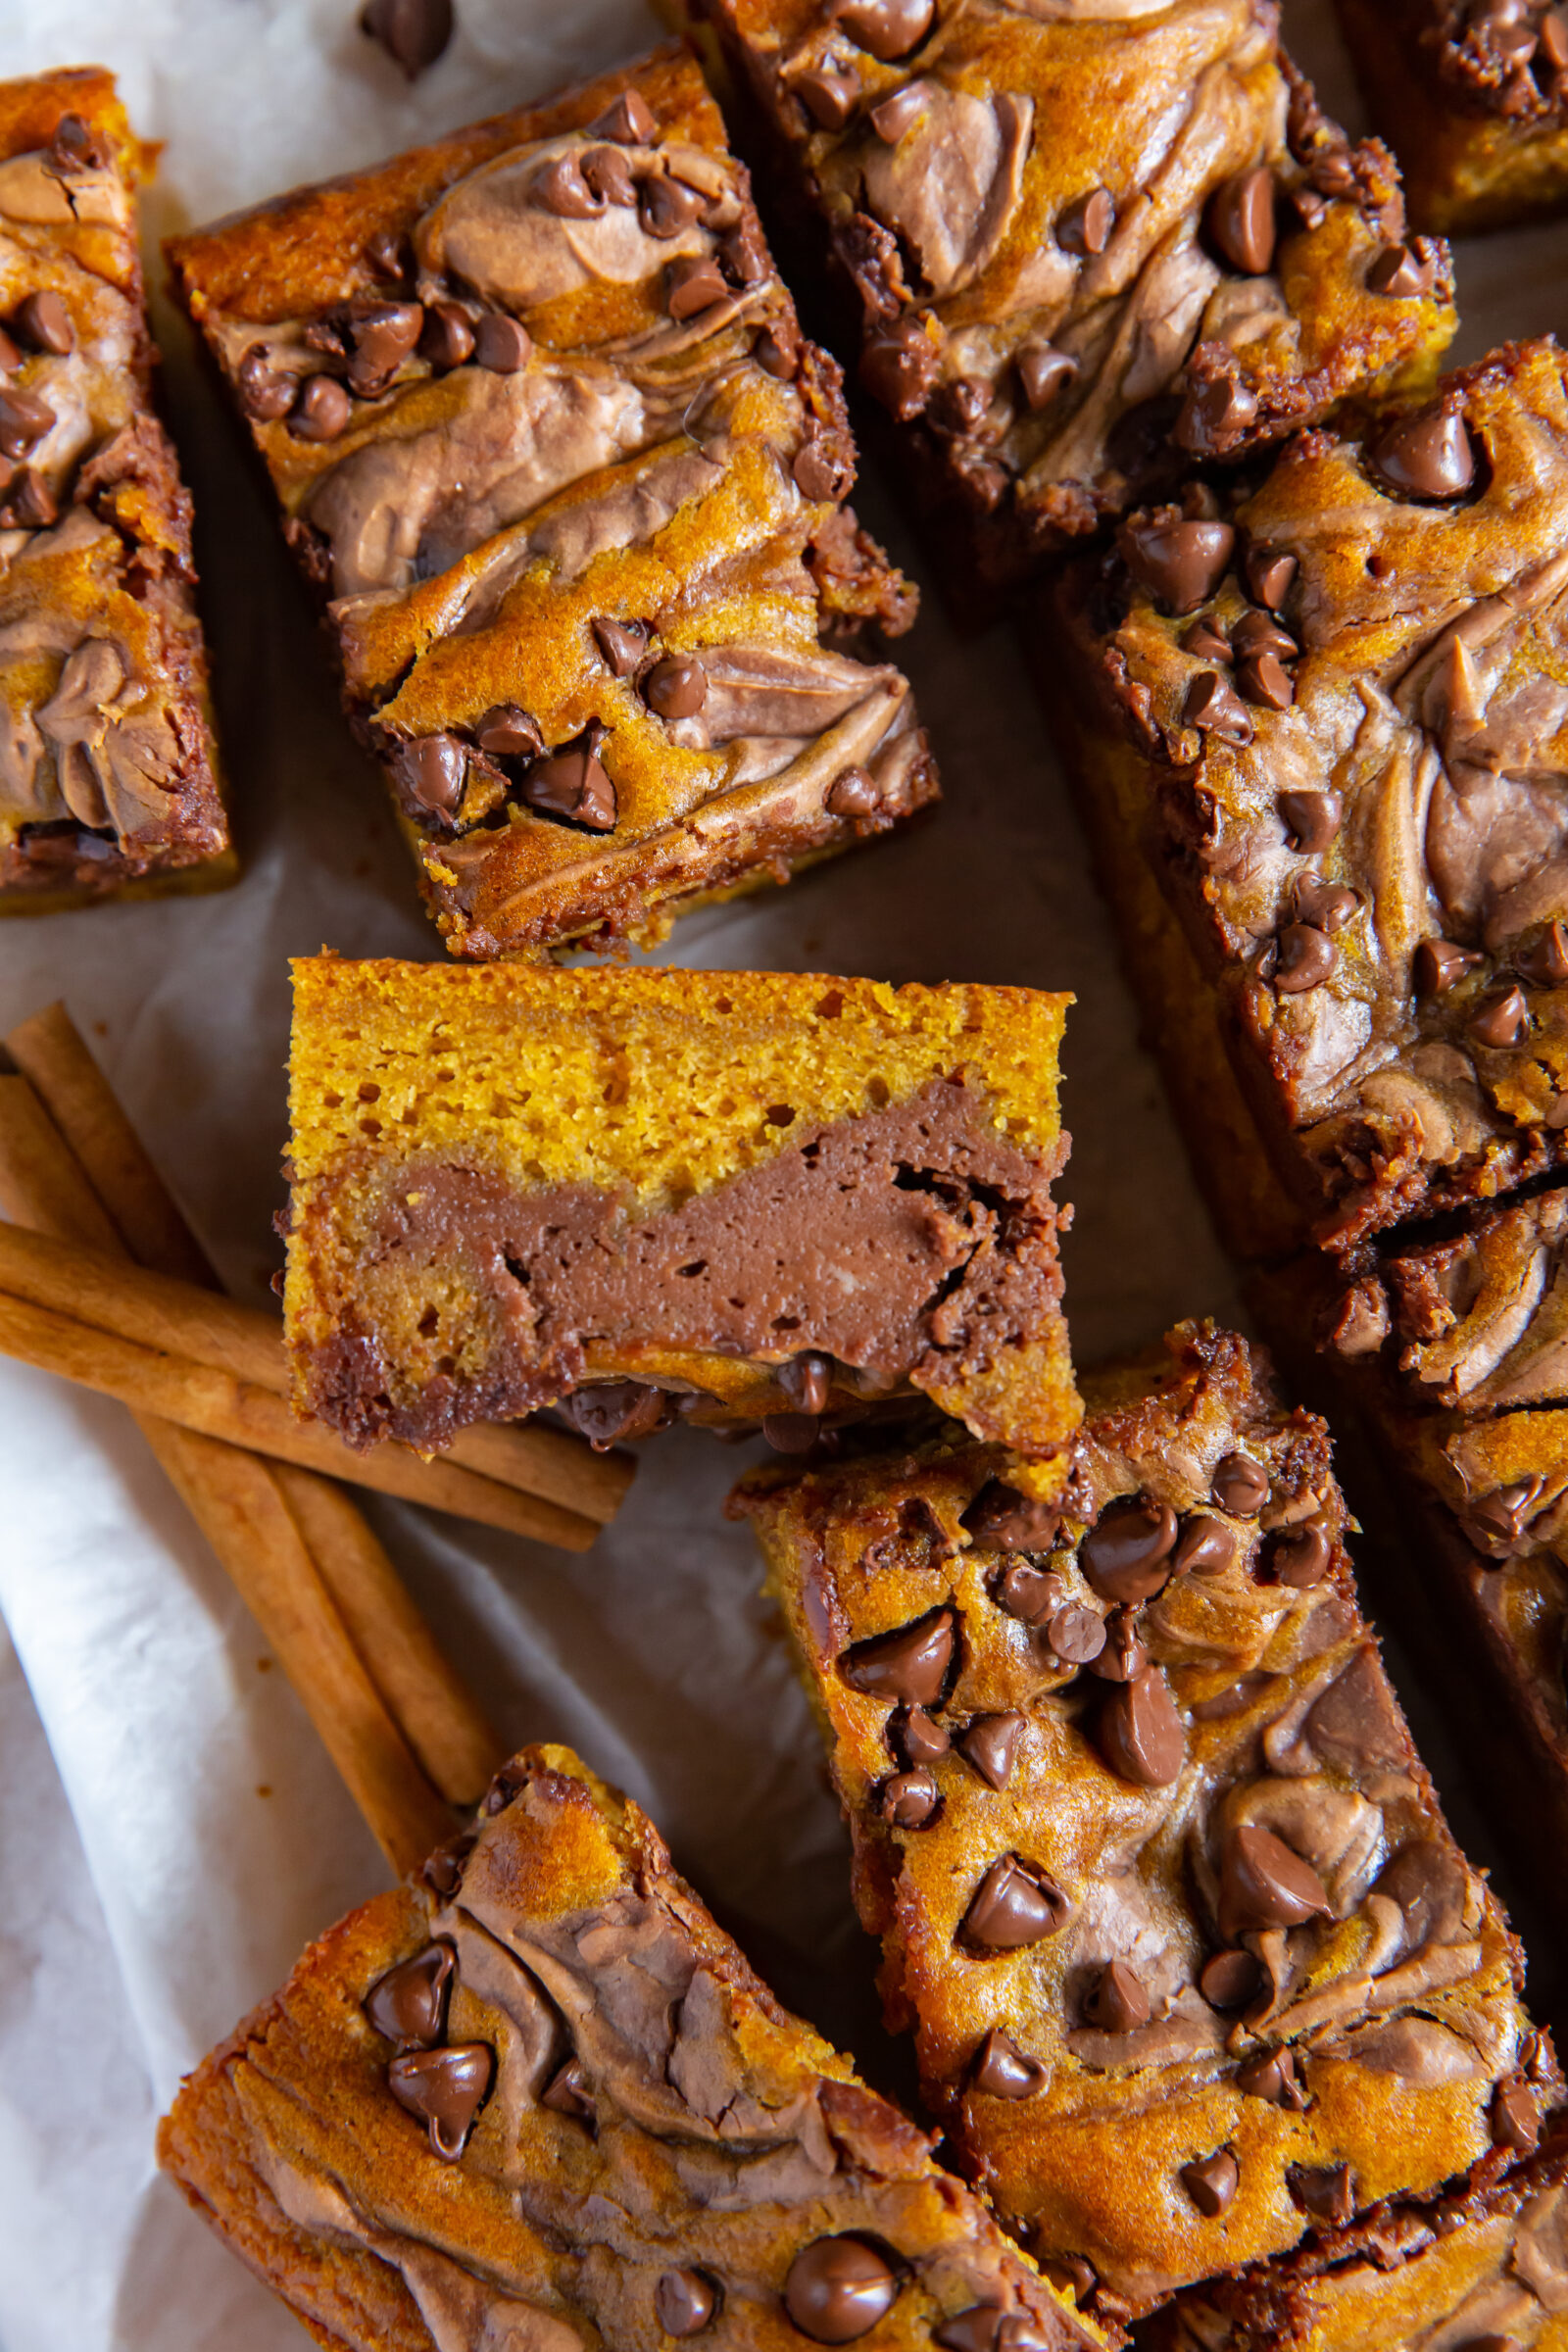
x=1472, y=97
x=550, y=445
x=1194, y=1965
x=108, y=773
x=1318, y=724
x=536, y=2100
x=749, y=1196
x=1088, y=246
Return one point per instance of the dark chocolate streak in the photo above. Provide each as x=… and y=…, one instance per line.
x=912, y=1243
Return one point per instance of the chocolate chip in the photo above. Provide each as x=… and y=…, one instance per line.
x=1502, y=1516
x=1214, y=416
x=909, y=1665
x=446, y=2090
x=263, y=394
x=684, y=2301
x=1299, y=1556
x=622, y=643
x=791, y=1433
x=909, y=1800
x=1545, y=960
x=25, y=419
x=1260, y=633
x=409, y=2004
x=1213, y=705
x=1123, y=1656
x=693, y=284
x=1004, y=1519
x=1230, y=1979
x=1206, y=1547
x=1179, y=563
x=506, y=1788
x=1327, y=906
x=1264, y=680
x=960, y=406
x=1515, y=2117
x=10, y=356
x=1001, y=2071
x=1425, y=457
x=572, y=783
x=990, y=1742
x=447, y=337
x=412, y=33
x=1505, y=1021
x=1085, y=226
x=821, y=469
x=562, y=189
x=567, y=2092
x=44, y=322
x=1305, y=956
x=75, y=147
x=777, y=352
x=501, y=344
x=628, y=121
x=892, y=115
x=429, y=775
x=1016, y=1903
x=1400, y=272
x=509, y=732
x=743, y=254
x=389, y=257
x=1212, y=2183
x=1273, y=2078
x=1028, y=1593
x=838, y=2288
x=442, y=1871
x=1268, y=572
x=917, y=1738
x=971, y=2330
x=322, y=413
x=1265, y=1884
x=1312, y=819
x=380, y=335
x=829, y=98
x=608, y=1412
x=1043, y=372
x=610, y=175
x=30, y=504
x=666, y=207
x=1139, y=1734
x=806, y=1380
x=888, y=29
x=1076, y=1635
x=898, y=366
x=1324, y=2192
x=1554, y=36
x=1117, y=2001
x=1240, y=219
x=852, y=794
x=1204, y=642
x=1126, y=1553
x=677, y=688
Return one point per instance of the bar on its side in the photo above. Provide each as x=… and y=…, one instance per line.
x=1193, y=1964
x=109, y=782
x=537, y=2098
x=744, y=1195
x=568, y=481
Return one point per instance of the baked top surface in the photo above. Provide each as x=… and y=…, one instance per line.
x=106, y=755
x=648, y=2115
x=1139, y=2124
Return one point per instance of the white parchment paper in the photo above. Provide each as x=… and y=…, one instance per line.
x=171, y=1833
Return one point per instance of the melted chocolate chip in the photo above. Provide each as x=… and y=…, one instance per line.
x=1004, y=1519
x=75, y=147
x=1263, y=680
x=892, y=115
x=1076, y=1635
x=899, y=365
x=1274, y=2077
x=447, y=337
x=909, y=1800
x=1311, y=819
x=446, y=2088
x=610, y=175
x=1515, y=2117
x=1118, y=2002
x=888, y=29
x=971, y=2330
x=501, y=344
x=854, y=794
x=1044, y=371
x=412, y=33
x=1268, y=572
x=1503, y=1022
x=560, y=188
x=1428, y=457
x=25, y=419
x=684, y=2301
x=821, y=471
x=777, y=352
x=1230, y=1979
x=1304, y=958
x=1205, y=641
x=1028, y=1593
x=1206, y=1547
x=1260, y=633
x=610, y=1412
x=322, y=412
x=1001, y=2071
x=1299, y=1556
x=1126, y=1553
x=1085, y=226
x=1545, y=960
x=567, y=2092
x=676, y=687
x=1139, y=1734
x=909, y=1664
x=44, y=322
x=744, y=255
x=30, y=504
x=429, y=775
x=389, y=257
x=442, y=1871
x=10, y=356
x=1400, y=272
x=693, y=284
x=379, y=336
x=666, y=207
x=509, y=732
x=791, y=1433
x=1241, y=219
x=1324, y=2192
x=264, y=393
x=1240, y=1484
x=622, y=644
x=1212, y=2183
x=1329, y=905
x=1015, y=1905
x=409, y=2003
x=629, y=121
x=829, y=98
x=505, y=1788
x=807, y=1381
x=1180, y=564
x=916, y=1736
x=1213, y=705
x=572, y=783
x=1502, y=1516
x=1265, y=1884
x=838, y=2288
x=1214, y=416
x=1123, y=1656
x=990, y=1742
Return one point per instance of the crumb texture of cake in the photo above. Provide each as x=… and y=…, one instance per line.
x=1193, y=1964
x=752, y=1197
x=568, y=480
x=537, y=2101
x=1321, y=736
x=1089, y=246
x=108, y=779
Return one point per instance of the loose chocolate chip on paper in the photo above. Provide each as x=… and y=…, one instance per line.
x=1126, y=1553
x=1241, y=219
x=44, y=322
x=1504, y=1022
x=1205, y=1547
x=1265, y=1884
x=1399, y=273
x=910, y=1799
x=1324, y=2192
x=852, y=794
x=909, y=1665
x=990, y=1742
x=622, y=644
x=447, y=339
x=630, y=121
x=409, y=2003
x=829, y=98
x=1139, y=1732
x=1085, y=226
x=322, y=413
x=838, y=2288
x=1304, y=958
x=572, y=783
x=1016, y=1903
x=1213, y=704
x=1312, y=819
x=899, y=365
x=1001, y=2071
x=1230, y=1979
x=446, y=2088
x=888, y=29
x=1263, y=680
x=1076, y=1635
x=1044, y=371
x=1179, y=563
x=684, y=2301
x=1118, y=2000
x=412, y=33
x=1430, y=457
x=1545, y=960
x=501, y=344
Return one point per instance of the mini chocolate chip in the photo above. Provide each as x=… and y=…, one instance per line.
x=1324, y=2192
x=1260, y=633
x=1505, y=1021
x=610, y=175
x=910, y=1799
x=1123, y=1656
x=1028, y=1593
x=24, y=420
x=1001, y=2071
x=1004, y=1519
x=622, y=644
x=852, y=794
x=899, y=365
x=676, y=687
x=560, y=188
x=379, y=335
x=572, y=782
x=567, y=2092
x=409, y=2004
x=807, y=1381
x=892, y=115
x=1139, y=1734
x=1016, y=1903
x=1085, y=226
x=1180, y=564
x=501, y=344
x=1213, y=704
x=447, y=337
x=1327, y=906
x=1304, y=958
x=322, y=412
x=442, y=1871
x=1076, y=1635
x=446, y=2090
x=1312, y=819
x=1230, y=1979
x=791, y=1433
x=1239, y=218
x=1263, y=680
x=509, y=732
x=1273, y=2078
x=1212, y=2183
x=607, y=1412
x=1545, y=960
x=1425, y=457
x=412, y=33
x=888, y=29
x=628, y=121
x=684, y=2301
x=1265, y=1884
x=1214, y=416
x=1515, y=2117
x=429, y=773
x=1117, y=2002
x=990, y=1742
x=917, y=1737
x=1502, y=1515
x=1400, y=272
x=1205, y=1547
x=777, y=352
x=45, y=322
x=829, y=98
x=1268, y=572
x=264, y=394
x=666, y=207
x=1126, y=1553
x=821, y=471
x=1044, y=371
x=909, y=1664
x=837, y=2288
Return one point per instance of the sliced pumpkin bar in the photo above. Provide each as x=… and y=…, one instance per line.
x=1194, y=1966
x=752, y=1197
x=568, y=481
x=538, y=2098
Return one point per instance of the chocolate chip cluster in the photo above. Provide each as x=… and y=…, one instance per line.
x=40, y=326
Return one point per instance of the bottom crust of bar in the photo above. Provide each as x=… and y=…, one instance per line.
x=112, y=879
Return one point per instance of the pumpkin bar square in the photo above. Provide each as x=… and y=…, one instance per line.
x=1080, y=249
x=109, y=783
x=750, y=1196
x=538, y=2098
x=1314, y=723
x=1194, y=1966
x=568, y=481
